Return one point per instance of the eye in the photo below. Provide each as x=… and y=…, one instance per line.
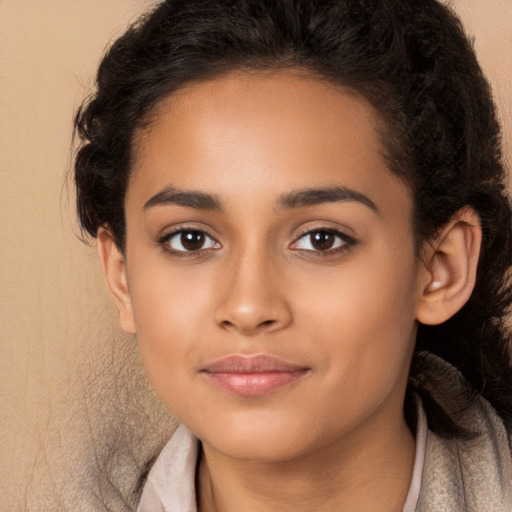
x=323, y=240
x=188, y=240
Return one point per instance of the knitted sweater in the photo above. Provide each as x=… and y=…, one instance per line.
x=466, y=475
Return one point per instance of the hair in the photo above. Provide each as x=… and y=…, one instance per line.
x=409, y=58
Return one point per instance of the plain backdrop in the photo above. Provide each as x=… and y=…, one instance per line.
x=78, y=418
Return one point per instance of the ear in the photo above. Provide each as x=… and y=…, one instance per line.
x=114, y=270
x=450, y=268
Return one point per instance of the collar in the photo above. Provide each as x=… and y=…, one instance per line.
x=170, y=486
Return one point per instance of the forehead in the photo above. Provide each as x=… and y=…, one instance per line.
x=247, y=101
x=280, y=130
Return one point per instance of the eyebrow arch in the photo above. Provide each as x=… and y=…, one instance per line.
x=314, y=196
x=189, y=199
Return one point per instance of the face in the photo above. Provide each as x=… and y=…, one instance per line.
x=270, y=266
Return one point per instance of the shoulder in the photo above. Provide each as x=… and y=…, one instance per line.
x=465, y=472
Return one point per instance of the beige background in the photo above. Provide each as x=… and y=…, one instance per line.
x=75, y=404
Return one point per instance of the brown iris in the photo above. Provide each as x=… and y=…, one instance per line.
x=322, y=240
x=192, y=240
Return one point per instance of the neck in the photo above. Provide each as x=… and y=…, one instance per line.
x=369, y=469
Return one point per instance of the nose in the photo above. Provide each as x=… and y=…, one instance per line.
x=253, y=297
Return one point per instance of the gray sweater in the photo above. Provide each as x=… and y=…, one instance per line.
x=466, y=475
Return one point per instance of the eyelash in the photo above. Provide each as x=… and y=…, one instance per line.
x=347, y=242
x=165, y=240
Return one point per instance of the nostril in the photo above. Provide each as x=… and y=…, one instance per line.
x=226, y=324
x=266, y=323
x=257, y=326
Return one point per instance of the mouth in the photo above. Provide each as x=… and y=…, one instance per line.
x=252, y=375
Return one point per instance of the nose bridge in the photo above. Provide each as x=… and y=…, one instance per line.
x=252, y=299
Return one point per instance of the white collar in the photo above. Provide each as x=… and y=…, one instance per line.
x=170, y=486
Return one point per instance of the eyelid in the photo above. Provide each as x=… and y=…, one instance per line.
x=165, y=238
x=349, y=241
x=170, y=230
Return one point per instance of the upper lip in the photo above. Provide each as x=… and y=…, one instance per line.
x=251, y=364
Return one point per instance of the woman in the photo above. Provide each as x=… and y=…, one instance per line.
x=300, y=213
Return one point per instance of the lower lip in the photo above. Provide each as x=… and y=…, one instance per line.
x=254, y=384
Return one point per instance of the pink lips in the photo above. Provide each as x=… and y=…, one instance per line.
x=252, y=375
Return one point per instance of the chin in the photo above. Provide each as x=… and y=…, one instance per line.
x=260, y=440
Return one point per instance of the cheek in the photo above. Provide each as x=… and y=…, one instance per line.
x=166, y=297
x=363, y=320
x=169, y=310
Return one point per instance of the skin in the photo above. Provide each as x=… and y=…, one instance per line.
x=336, y=437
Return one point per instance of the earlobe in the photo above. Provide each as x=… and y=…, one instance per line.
x=450, y=265
x=114, y=271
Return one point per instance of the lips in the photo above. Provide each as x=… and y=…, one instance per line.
x=252, y=375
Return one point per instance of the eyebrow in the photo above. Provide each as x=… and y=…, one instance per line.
x=314, y=196
x=190, y=199
x=296, y=199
